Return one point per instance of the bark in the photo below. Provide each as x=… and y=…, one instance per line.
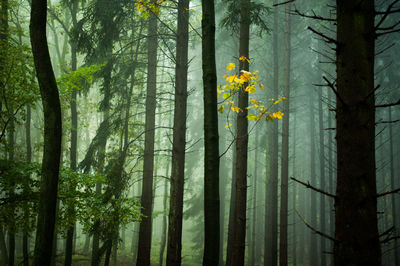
x=74, y=138
x=283, y=242
x=271, y=188
x=164, y=221
x=393, y=187
x=294, y=199
x=313, y=210
x=174, y=246
x=144, y=246
x=237, y=255
x=3, y=247
x=254, y=203
x=25, y=239
x=322, y=186
x=52, y=134
x=356, y=226
x=211, y=149
x=330, y=177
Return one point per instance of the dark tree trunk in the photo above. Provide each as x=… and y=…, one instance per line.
x=237, y=255
x=322, y=186
x=271, y=188
x=283, y=241
x=356, y=226
x=211, y=149
x=144, y=248
x=74, y=138
x=174, y=246
x=52, y=134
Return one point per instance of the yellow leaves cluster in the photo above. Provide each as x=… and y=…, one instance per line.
x=145, y=6
x=248, y=82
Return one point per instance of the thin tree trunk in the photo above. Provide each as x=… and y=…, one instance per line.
x=25, y=239
x=294, y=196
x=174, y=246
x=237, y=255
x=52, y=134
x=254, y=210
x=356, y=226
x=74, y=140
x=283, y=242
x=271, y=188
x=144, y=248
x=164, y=221
x=313, y=210
x=211, y=149
x=322, y=177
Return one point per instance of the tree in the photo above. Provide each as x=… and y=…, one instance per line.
x=271, y=187
x=283, y=242
x=52, y=134
x=148, y=160
x=211, y=149
x=356, y=225
x=179, y=137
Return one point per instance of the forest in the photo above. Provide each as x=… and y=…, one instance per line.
x=212, y=132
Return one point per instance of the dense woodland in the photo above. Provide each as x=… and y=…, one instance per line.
x=177, y=132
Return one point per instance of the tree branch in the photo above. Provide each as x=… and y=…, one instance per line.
x=327, y=38
x=388, y=192
x=307, y=185
x=314, y=230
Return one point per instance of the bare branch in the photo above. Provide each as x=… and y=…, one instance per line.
x=313, y=16
x=314, y=230
x=284, y=3
x=327, y=38
x=388, y=104
x=387, y=193
x=307, y=185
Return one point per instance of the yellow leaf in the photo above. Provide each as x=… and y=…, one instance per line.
x=228, y=125
x=279, y=100
x=236, y=109
x=250, y=89
x=277, y=115
x=230, y=79
x=261, y=86
x=243, y=58
x=245, y=75
x=230, y=66
x=251, y=117
x=221, y=109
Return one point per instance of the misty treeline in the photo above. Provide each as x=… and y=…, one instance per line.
x=233, y=132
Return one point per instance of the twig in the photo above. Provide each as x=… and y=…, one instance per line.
x=327, y=38
x=388, y=104
x=314, y=230
x=284, y=3
x=330, y=85
x=387, y=193
x=307, y=185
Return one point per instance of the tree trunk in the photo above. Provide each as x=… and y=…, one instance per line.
x=356, y=226
x=52, y=134
x=148, y=162
x=211, y=149
x=322, y=186
x=174, y=246
x=25, y=239
x=283, y=242
x=271, y=187
x=74, y=139
x=313, y=210
x=294, y=198
x=254, y=207
x=237, y=255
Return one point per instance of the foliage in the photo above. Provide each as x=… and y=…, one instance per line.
x=258, y=15
x=17, y=80
x=247, y=81
x=145, y=6
x=75, y=189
